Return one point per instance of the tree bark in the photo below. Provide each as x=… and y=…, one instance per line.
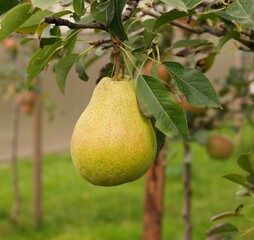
x=15, y=212
x=154, y=193
x=37, y=156
x=187, y=192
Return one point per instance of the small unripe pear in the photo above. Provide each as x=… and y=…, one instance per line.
x=219, y=147
x=113, y=142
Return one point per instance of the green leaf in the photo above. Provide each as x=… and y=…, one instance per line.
x=192, y=3
x=178, y=4
x=149, y=34
x=44, y=4
x=243, y=11
x=167, y=18
x=103, y=12
x=40, y=59
x=244, y=162
x=223, y=40
x=14, y=19
x=223, y=230
x=156, y=101
x=7, y=5
x=80, y=69
x=237, y=178
x=116, y=26
x=194, y=85
x=62, y=69
x=190, y=43
x=31, y=24
x=79, y=7
x=70, y=41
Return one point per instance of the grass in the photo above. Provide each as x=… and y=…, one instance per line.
x=76, y=210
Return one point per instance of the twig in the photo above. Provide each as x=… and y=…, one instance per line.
x=132, y=5
x=64, y=22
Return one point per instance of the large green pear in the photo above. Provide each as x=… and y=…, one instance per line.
x=113, y=142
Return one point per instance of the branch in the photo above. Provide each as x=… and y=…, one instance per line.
x=64, y=22
x=215, y=31
x=132, y=5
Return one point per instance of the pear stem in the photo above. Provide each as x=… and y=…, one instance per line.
x=117, y=53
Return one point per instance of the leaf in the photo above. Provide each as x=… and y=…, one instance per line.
x=237, y=178
x=70, y=41
x=14, y=19
x=149, y=34
x=79, y=7
x=7, y=5
x=156, y=101
x=223, y=40
x=62, y=69
x=40, y=59
x=31, y=24
x=192, y=3
x=116, y=26
x=244, y=162
x=178, y=4
x=168, y=17
x=44, y=4
x=222, y=229
x=194, y=85
x=243, y=11
x=103, y=12
x=80, y=69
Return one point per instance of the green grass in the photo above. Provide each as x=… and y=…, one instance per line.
x=76, y=210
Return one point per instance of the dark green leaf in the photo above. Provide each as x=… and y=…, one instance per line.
x=7, y=5
x=155, y=100
x=243, y=11
x=80, y=69
x=62, y=69
x=244, y=162
x=194, y=85
x=237, y=178
x=149, y=34
x=14, y=19
x=116, y=26
x=167, y=18
x=223, y=40
x=79, y=7
x=31, y=24
x=223, y=229
x=40, y=59
x=103, y=12
x=70, y=41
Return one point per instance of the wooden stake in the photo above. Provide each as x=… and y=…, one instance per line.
x=187, y=192
x=15, y=213
x=154, y=194
x=37, y=156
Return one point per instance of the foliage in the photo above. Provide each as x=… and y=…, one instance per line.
x=227, y=230
x=133, y=32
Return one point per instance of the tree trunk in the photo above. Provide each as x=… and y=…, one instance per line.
x=187, y=193
x=15, y=212
x=154, y=193
x=37, y=156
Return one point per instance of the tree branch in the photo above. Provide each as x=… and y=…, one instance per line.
x=218, y=31
x=64, y=22
x=132, y=5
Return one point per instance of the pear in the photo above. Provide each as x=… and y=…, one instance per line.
x=113, y=142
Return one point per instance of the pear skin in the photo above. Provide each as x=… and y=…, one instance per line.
x=113, y=142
